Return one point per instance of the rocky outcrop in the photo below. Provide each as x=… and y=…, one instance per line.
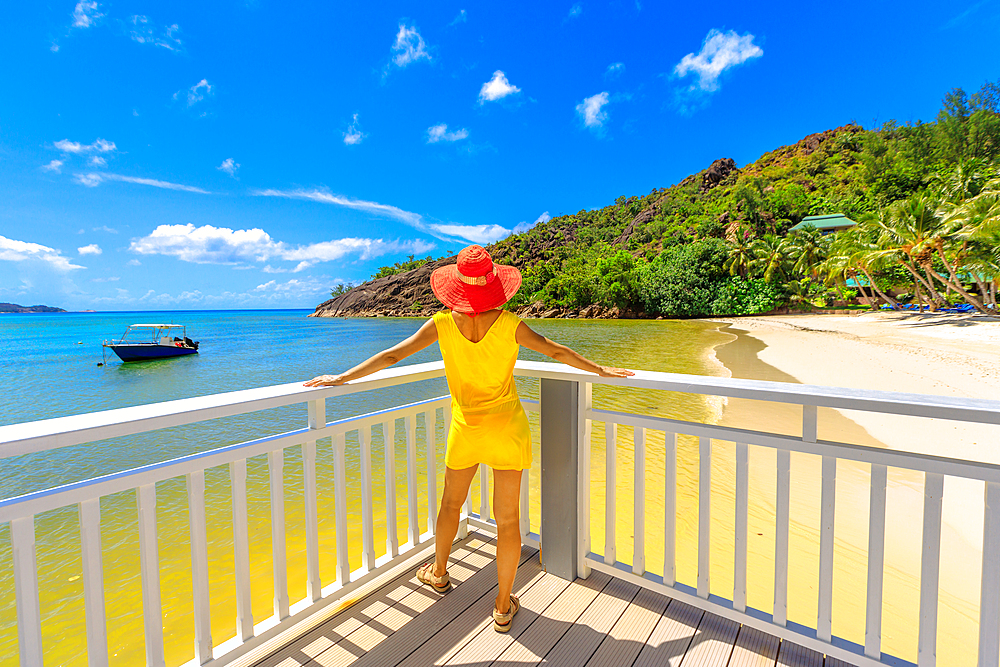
x=717, y=172
x=402, y=295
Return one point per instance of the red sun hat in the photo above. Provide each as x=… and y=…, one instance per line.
x=475, y=284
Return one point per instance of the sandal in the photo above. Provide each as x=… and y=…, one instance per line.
x=425, y=575
x=501, y=622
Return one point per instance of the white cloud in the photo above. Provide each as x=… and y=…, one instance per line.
x=86, y=14
x=409, y=47
x=497, y=88
x=133, y=262
x=575, y=11
x=207, y=244
x=93, y=179
x=54, y=166
x=144, y=31
x=105, y=228
x=229, y=166
x=525, y=226
x=325, y=197
x=719, y=52
x=221, y=245
x=92, y=249
x=197, y=92
x=108, y=279
x=443, y=231
x=97, y=161
x=591, y=110
x=440, y=132
x=475, y=233
x=354, y=135
x=614, y=70
x=75, y=147
x=12, y=250
x=461, y=18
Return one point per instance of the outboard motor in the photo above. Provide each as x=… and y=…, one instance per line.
x=190, y=343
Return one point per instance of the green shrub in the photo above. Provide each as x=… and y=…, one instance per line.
x=740, y=296
x=683, y=280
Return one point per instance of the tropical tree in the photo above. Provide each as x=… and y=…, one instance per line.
x=769, y=257
x=741, y=255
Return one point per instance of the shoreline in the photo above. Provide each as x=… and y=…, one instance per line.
x=927, y=354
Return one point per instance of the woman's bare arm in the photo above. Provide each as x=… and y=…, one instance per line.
x=534, y=341
x=424, y=336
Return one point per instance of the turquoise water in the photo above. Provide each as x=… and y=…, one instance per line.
x=50, y=370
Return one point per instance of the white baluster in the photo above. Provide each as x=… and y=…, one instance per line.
x=317, y=420
x=412, y=526
x=29, y=618
x=780, y=613
x=989, y=600
x=670, y=508
x=930, y=570
x=484, y=492
x=704, y=514
x=241, y=549
x=389, y=438
x=149, y=567
x=876, y=558
x=276, y=475
x=199, y=567
x=742, y=505
x=430, y=419
x=824, y=624
x=93, y=582
x=367, y=522
x=340, y=507
x=610, y=481
x=639, y=515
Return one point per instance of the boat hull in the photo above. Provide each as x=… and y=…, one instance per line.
x=147, y=352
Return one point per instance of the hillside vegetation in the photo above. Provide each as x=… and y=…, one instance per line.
x=926, y=197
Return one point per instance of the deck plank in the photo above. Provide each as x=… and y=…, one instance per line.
x=576, y=646
x=671, y=637
x=793, y=655
x=713, y=643
x=420, y=631
x=627, y=638
x=452, y=638
x=835, y=662
x=754, y=649
x=349, y=620
x=539, y=638
x=488, y=645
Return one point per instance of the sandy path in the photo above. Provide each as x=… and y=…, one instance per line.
x=925, y=354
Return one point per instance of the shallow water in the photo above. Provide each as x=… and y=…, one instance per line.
x=47, y=374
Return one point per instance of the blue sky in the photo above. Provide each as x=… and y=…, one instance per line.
x=254, y=154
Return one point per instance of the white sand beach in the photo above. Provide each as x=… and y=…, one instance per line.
x=945, y=355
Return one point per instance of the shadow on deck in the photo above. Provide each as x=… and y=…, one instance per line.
x=599, y=621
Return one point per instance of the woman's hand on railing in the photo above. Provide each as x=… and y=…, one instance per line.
x=325, y=381
x=612, y=372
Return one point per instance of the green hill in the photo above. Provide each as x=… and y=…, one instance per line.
x=926, y=197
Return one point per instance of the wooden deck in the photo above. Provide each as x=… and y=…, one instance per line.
x=597, y=622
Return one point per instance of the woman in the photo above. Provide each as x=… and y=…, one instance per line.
x=479, y=344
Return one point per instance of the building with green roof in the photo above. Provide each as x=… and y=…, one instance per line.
x=833, y=222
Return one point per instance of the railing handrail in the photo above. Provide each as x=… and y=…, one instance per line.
x=46, y=434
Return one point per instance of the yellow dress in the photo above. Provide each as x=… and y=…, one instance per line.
x=488, y=424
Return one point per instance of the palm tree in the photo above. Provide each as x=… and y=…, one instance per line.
x=769, y=256
x=807, y=248
x=741, y=255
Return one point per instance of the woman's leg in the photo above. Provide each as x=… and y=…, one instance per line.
x=456, y=490
x=506, y=510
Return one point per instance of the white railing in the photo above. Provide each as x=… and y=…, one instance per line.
x=34, y=437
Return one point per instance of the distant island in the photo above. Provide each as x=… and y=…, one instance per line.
x=903, y=216
x=15, y=308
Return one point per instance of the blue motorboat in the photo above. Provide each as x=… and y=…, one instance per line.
x=142, y=342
